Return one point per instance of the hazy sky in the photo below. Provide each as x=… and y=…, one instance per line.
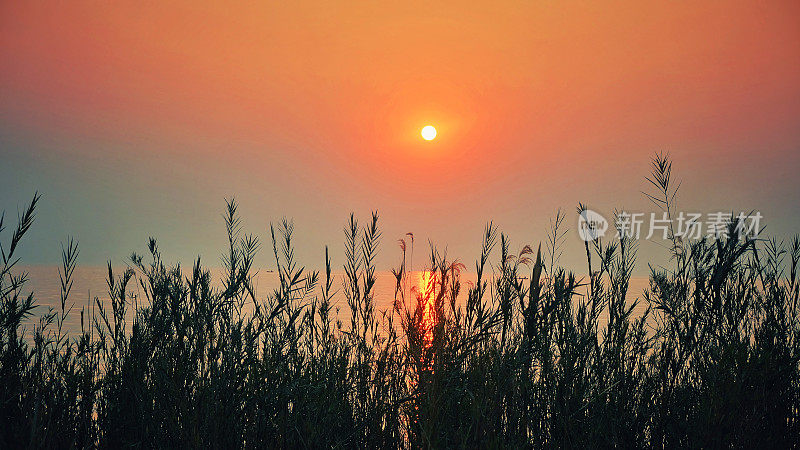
x=138, y=120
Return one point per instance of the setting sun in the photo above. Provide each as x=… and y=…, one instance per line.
x=428, y=133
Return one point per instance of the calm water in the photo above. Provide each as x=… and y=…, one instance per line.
x=90, y=283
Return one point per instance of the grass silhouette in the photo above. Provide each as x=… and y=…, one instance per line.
x=535, y=356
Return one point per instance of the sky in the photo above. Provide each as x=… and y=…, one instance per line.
x=139, y=119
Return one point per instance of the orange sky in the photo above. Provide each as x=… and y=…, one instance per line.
x=137, y=120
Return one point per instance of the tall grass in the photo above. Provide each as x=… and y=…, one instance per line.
x=525, y=354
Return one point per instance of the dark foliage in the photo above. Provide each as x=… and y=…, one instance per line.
x=528, y=355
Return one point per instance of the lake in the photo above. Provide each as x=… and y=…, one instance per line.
x=89, y=282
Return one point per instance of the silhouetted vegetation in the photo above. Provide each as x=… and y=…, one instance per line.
x=528, y=355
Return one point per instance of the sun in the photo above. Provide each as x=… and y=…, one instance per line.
x=428, y=133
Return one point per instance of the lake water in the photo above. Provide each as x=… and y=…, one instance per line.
x=89, y=282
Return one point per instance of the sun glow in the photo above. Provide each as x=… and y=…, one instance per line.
x=425, y=291
x=428, y=133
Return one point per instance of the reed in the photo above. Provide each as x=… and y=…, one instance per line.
x=525, y=354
